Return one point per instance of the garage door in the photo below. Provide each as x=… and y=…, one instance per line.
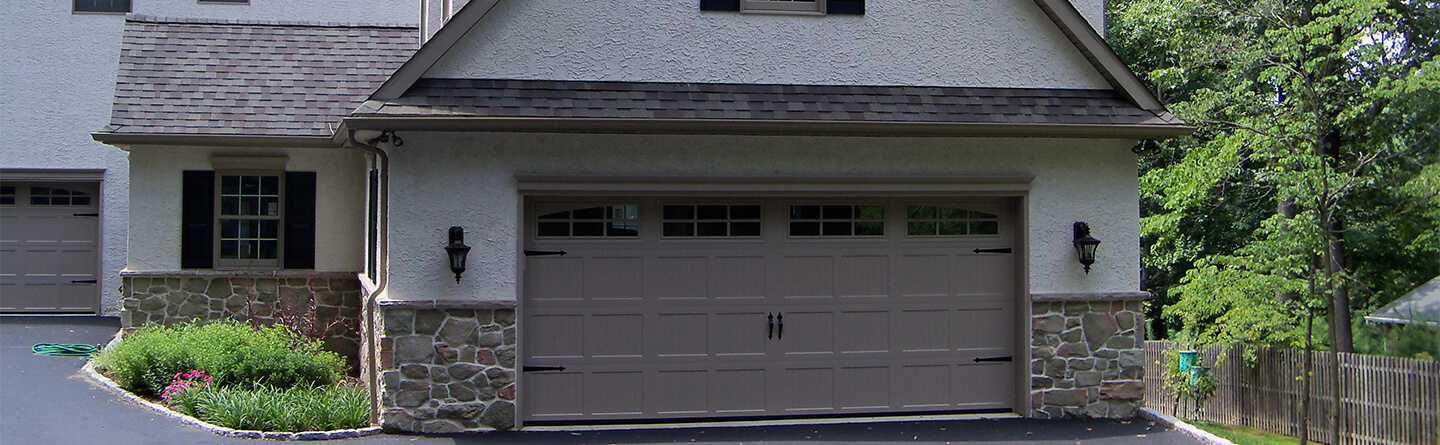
x=669, y=309
x=48, y=237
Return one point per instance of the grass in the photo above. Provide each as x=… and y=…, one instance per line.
x=1244, y=435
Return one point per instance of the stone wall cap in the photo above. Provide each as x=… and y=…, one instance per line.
x=209, y=273
x=446, y=304
x=1047, y=297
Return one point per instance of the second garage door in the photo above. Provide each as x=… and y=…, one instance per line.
x=48, y=237
x=667, y=309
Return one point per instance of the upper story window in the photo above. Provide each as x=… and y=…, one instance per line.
x=121, y=6
x=591, y=222
x=815, y=6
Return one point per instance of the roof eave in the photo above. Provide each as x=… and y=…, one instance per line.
x=125, y=140
x=762, y=127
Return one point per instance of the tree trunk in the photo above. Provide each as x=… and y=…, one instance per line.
x=1286, y=209
x=1305, y=383
x=1340, y=292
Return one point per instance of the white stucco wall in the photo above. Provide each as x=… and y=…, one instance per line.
x=997, y=43
x=1075, y=180
x=156, y=202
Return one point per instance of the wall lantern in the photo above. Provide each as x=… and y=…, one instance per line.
x=1085, y=245
x=457, y=250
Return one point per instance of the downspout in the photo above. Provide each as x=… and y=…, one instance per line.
x=381, y=272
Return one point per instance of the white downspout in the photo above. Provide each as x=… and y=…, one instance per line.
x=381, y=272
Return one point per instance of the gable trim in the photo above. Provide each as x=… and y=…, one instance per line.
x=434, y=49
x=1099, y=53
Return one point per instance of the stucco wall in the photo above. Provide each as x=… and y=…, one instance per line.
x=897, y=42
x=156, y=190
x=440, y=180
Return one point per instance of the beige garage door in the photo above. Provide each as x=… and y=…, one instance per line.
x=667, y=309
x=48, y=237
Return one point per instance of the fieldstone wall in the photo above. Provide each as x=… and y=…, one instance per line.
x=1087, y=359
x=446, y=367
x=166, y=298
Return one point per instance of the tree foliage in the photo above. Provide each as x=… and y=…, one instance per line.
x=1327, y=108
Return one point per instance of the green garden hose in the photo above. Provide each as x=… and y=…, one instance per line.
x=64, y=350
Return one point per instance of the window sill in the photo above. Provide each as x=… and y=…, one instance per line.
x=289, y=273
x=782, y=12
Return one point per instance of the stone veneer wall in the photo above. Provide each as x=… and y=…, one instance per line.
x=446, y=367
x=171, y=297
x=1087, y=357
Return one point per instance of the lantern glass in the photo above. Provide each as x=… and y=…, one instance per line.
x=457, y=251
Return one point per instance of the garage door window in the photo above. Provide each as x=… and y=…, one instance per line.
x=592, y=222
x=7, y=195
x=837, y=220
x=51, y=196
x=949, y=221
x=711, y=220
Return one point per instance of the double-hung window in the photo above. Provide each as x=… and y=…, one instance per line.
x=120, y=6
x=249, y=219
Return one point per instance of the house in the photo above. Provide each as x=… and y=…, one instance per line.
x=578, y=213
x=1420, y=306
x=64, y=215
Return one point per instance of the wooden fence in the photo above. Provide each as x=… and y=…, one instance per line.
x=1384, y=400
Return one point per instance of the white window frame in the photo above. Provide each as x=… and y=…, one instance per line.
x=219, y=217
x=815, y=7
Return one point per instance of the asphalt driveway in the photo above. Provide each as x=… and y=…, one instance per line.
x=47, y=400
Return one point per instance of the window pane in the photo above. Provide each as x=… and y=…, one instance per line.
x=837, y=228
x=267, y=250
x=678, y=212
x=270, y=185
x=745, y=212
x=838, y=212
x=870, y=212
x=953, y=228
x=270, y=205
x=985, y=228
x=625, y=212
x=229, y=249
x=920, y=228
x=870, y=228
x=711, y=229
x=7, y=190
x=229, y=228
x=39, y=200
x=622, y=229
x=920, y=212
x=589, y=228
x=230, y=185
x=554, y=228
x=804, y=229
x=952, y=213
x=678, y=229
x=710, y=212
x=556, y=215
x=80, y=201
x=804, y=212
x=745, y=229
x=269, y=229
x=7, y=200
x=590, y=213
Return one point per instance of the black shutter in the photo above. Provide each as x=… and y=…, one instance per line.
x=719, y=5
x=197, y=219
x=299, y=220
x=852, y=7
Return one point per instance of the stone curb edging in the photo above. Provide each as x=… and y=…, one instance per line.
x=1180, y=425
x=89, y=370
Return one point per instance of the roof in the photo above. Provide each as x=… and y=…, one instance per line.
x=1420, y=305
x=191, y=77
x=675, y=104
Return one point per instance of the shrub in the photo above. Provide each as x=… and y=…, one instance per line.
x=231, y=352
x=266, y=408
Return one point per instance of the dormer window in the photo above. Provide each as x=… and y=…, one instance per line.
x=823, y=7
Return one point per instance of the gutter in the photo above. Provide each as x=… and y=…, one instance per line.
x=124, y=141
x=1158, y=130
x=381, y=271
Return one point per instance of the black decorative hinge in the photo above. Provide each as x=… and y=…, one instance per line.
x=996, y=250
x=83, y=281
x=544, y=253
x=994, y=359
x=541, y=368
x=87, y=214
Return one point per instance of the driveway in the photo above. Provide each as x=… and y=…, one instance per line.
x=47, y=400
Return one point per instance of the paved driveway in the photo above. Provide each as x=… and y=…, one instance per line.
x=47, y=400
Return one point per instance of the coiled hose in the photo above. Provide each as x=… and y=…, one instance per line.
x=64, y=350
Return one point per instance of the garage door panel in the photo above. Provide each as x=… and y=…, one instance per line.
x=554, y=278
x=806, y=278
x=745, y=334
x=614, y=279
x=615, y=394
x=680, y=393
x=681, y=335
x=863, y=276
x=555, y=336
x=863, y=332
x=805, y=333
x=738, y=391
x=982, y=274
x=985, y=328
x=987, y=396
x=724, y=285
x=923, y=386
x=805, y=389
x=924, y=276
x=862, y=388
x=551, y=395
x=676, y=278
x=614, y=336
x=923, y=330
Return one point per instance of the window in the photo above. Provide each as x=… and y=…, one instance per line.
x=816, y=6
x=596, y=222
x=232, y=2
x=837, y=220
x=7, y=195
x=51, y=196
x=949, y=221
x=710, y=220
x=247, y=219
x=102, y=6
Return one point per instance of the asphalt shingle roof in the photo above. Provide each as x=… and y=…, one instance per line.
x=699, y=101
x=226, y=77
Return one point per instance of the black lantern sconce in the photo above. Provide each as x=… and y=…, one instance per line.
x=1085, y=245
x=457, y=250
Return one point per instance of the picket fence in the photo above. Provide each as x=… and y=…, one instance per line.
x=1383, y=400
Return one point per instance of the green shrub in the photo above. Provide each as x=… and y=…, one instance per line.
x=233, y=353
x=267, y=408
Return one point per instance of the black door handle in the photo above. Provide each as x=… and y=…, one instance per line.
x=996, y=250
x=541, y=368
x=87, y=214
x=83, y=281
x=544, y=253
x=770, y=323
x=994, y=359
x=780, y=333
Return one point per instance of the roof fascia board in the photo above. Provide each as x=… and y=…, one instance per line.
x=125, y=141
x=1100, y=54
x=434, y=49
x=764, y=127
x=570, y=185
